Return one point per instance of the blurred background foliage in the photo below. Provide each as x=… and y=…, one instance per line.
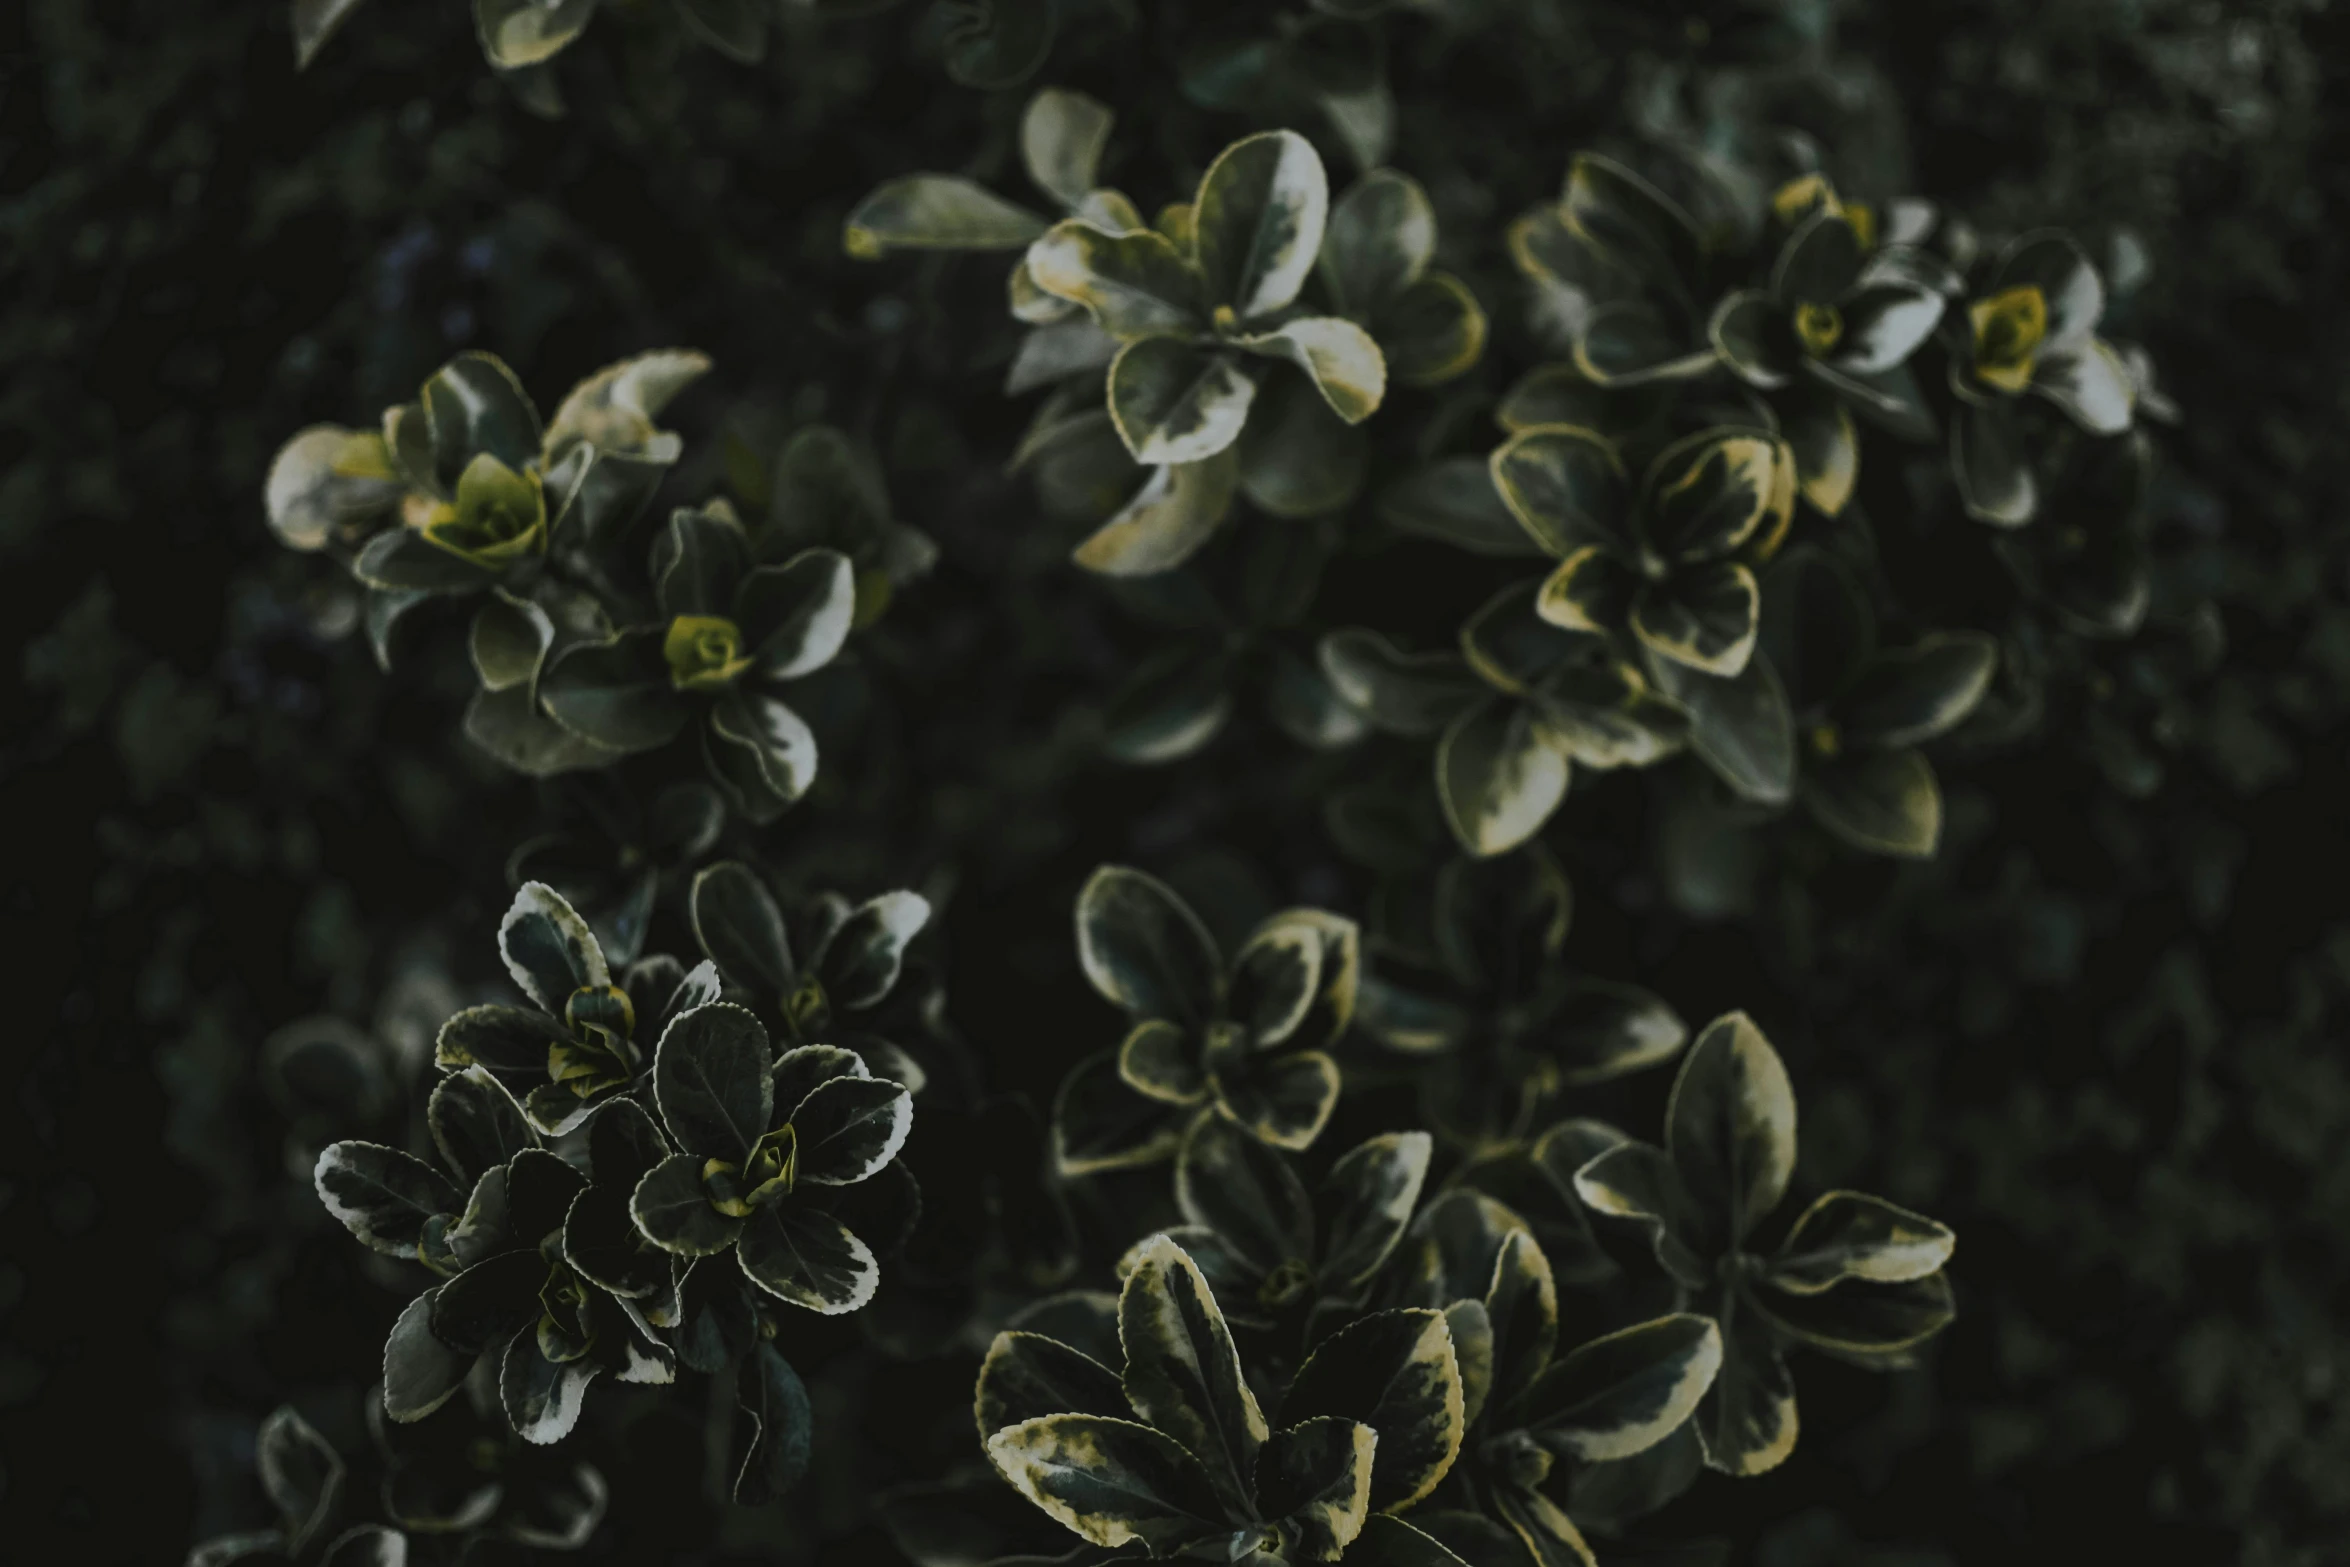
x=2102, y=1035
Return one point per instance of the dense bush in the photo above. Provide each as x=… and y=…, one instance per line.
x=1061, y=904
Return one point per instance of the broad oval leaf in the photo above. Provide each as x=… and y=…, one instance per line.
x=1910, y=695
x=1284, y=1099
x=542, y=1398
x=1258, y=220
x=1379, y=240
x=774, y=1428
x=1165, y=522
x=1850, y=1235
x=1316, y=1480
x=1565, y=485
x=419, y=1371
x=861, y=962
x=1499, y=777
x=740, y=927
x=549, y=949
x=1883, y=802
x=936, y=212
x=796, y=617
x=1233, y=1184
x=1521, y=1303
x=1412, y=694
x=1623, y=1393
x=1135, y=284
x=850, y=1127
x=1099, y=1123
x=1730, y=1127
x=711, y=1081
x=762, y=751
x=1340, y=358
x=1062, y=134
x=808, y=1258
x=1365, y=1203
x=519, y=33
x=382, y=1196
x=1177, y=402
x=475, y=1123
x=1395, y=1372
x=1144, y=949
x=1028, y=1375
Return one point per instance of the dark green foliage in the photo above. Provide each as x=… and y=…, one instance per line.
x=1443, y=538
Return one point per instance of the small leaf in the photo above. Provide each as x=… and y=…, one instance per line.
x=935, y=212
x=542, y=1398
x=419, y=1371
x=1412, y=694
x=1062, y=134
x=849, y=1128
x=1498, y=777
x=808, y=1258
x=1258, y=221
x=1708, y=493
x=300, y=1471
x=1883, y=802
x=998, y=43
x=1174, y=402
x=1379, y=241
x=774, y=1429
x=1365, y=1203
x=1565, y=485
x=1340, y=358
x=1730, y=1128
x=1101, y=1124
x=518, y=33
x=1705, y=615
x=618, y=694
x=1029, y=1375
x=796, y=617
x=710, y=1078
x=2091, y=384
x=1143, y=948
x=1182, y=1373
x=475, y=1123
x=741, y=929
x=1747, y=1418
x=1244, y=1191
x=1913, y=694
x=1849, y=1235
x=1135, y=284
x=1433, y=332
x=1177, y=510
x=1863, y=1318
x=762, y=751
x=381, y=1195
x=1113, y=1481
x=1316, y=1480
x=1992, y=471
x=1285, y=1099
x=1522, y=1304
x=1626, y=1392
x=1454, y=501
x=1740, y=727
x=861, y=962
x=315, y=22
x=1395, y=1372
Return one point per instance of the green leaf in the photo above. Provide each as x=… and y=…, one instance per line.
x=1592, y=590
x=1626, y=219
x=618, y=694
x=1637, y=1181
x=1521, y=1303
x=774, y=1430
x=474, y=406
x=326, y=481
x=998, y=43
x=613, y=410
x=1173, y=705
x=419, y=1371
x=850, y=1127
x=1472, y=1348
x=1882, y=802
x=672, y=1209
x=1245, y=1192
x=1380, y=238
x=1913, y=694
x=1340, y=358
x=382, y=1196
x=602, y=1243
x=518, y=33
x=1821, y=434
x=1820, y=262
x=1987, y=459
x=1433, y=332
x=1135, y=284
x=1623, y=1393
x=1258, y=219
x=1113, y=1481
x=1160, y=1060
x=796, y=616
x=808, y=1258
x=1062, y=134
x=489, y=1302
x=1177, y=510
x=698, y=558
x=1284, y=1099
x=504, y=1039
x=403, y=560
x=1176, y=402
x=1708, y=493
x=1747, y=1418
x=1274, y=982
x=861, y=963
x=1543, y=1528
x=1849, y=1235
x=1143, y=948
x=301, y=1473
x=1730, y=1128
x=1499, y=777
x=1565, y=486
x=1029, y=1375
x=741, y=929
x=2055, y=265
x=1365, y=1203
x=475, y=1123
x=935, y=212
x=1599, y=1030
x=1297, y=457
x=1885, y=323
x=315, y=22
x=1412, y=694
x=1101, y=1124
x=1182, y=1372
x=541, y=1397
x=506, y=641
x=1749, y=332
x=513, y=730
x=1315, y=1480
x=710, y=1078
x=549, y=950
x=762, y=751
x=1395, y=1372
x=2091, y=384
x=1862, y=1319
x=1454, y=501
x=1705, y=615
